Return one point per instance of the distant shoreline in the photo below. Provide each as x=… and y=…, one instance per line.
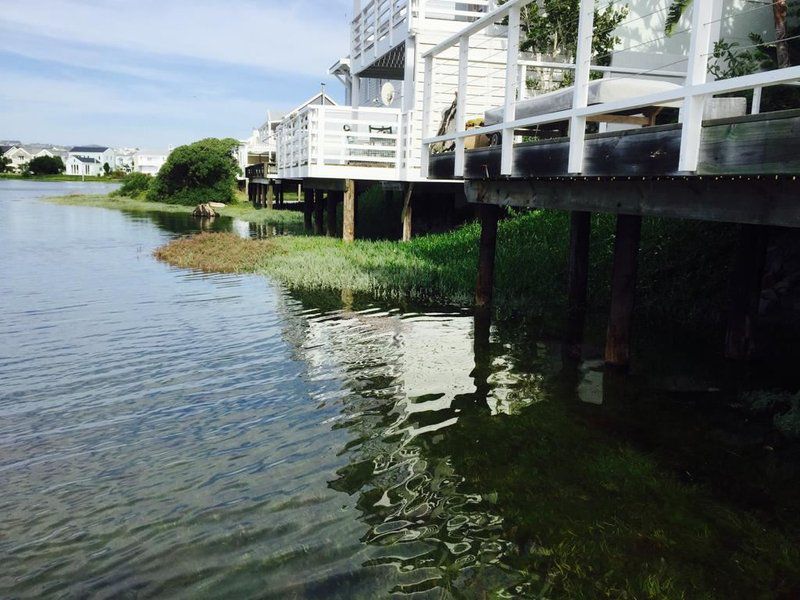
x=58, y=178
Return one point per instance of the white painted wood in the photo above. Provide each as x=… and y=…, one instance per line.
x=461, y=102
x=427, y=107
x=696, y=72
x=511, y=87
x=583, y=58
x=756, y=109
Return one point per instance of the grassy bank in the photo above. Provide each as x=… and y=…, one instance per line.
x=683, y=265
x=240, y=210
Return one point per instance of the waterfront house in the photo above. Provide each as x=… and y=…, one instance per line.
x=18, y=156
x=101, y=154
x=84, y=166
x=150, y=161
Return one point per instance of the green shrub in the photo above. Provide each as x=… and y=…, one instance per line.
x=204, y=171
x=45, y=165
x=134, y=185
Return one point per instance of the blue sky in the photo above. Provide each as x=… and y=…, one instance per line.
x=157, y=73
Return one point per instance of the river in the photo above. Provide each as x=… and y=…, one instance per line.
x=165, y=433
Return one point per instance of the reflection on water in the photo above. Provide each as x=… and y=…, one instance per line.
x=171, y=434
x=185, y=223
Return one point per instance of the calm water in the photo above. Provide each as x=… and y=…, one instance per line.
x=170, y=434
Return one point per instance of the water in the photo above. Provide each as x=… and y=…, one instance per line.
x=169, y=434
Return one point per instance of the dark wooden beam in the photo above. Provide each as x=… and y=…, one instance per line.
x=761, y=201
x=319, y=208
x=489, y=216
x=745, y=292
x=408, y=212
x=623, y=290
x=578, y=281
x=270, y=195
x=308, y=208
x=330, y=212
x=349, y=209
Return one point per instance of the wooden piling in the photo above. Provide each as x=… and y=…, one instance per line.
x=489, y=216
x=270, y=195
x=407, y=211
x=745, y=292
x=578, y=281
x=330, y=213
x=308, y=208
x=623, y=290
x=319, y=207
x=280, y=195
x=349, y=209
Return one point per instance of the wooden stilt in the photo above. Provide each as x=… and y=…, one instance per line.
x=407, y=211
x=489, y=216
x=259, y=195
x=308, y=208
x=270, y=195
x=330, y=213
x=623, y=290
x=319, y=207
x=745, y=292
x=579, y=233
x=349, y=209
x=280, y=195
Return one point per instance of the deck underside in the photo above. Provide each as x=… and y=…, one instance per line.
x=747, y=173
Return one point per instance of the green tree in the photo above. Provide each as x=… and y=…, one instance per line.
x=204, y=171
x=134, y=185
x=5, y=164
x=45, y=165
x=106, y=169
x=550, y=27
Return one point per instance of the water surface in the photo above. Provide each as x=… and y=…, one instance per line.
x=165, y=433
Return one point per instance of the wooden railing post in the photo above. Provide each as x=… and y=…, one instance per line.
x=427, y=107
x=580, y=98
x=510, y=107
x=461, y=103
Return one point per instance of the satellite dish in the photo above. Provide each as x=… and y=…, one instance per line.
x=387, y=94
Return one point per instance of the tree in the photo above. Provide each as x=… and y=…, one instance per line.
x=134, y=185
x=550, y=27
x=5, y=164
x=45, y=165
x=106, y=169
x=204, y=171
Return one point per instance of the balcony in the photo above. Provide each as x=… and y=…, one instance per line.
x=341, y=143
x=382, y=25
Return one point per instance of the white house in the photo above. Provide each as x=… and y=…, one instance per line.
x=18, y=156
x=84, y=166
x=123, y=159
x=102, y=154
x=149, y=161
x=260, y=147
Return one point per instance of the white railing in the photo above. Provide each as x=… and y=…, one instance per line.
x=383, y=24
x=340, y=142
x=692, y=94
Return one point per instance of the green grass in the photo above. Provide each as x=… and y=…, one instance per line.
x=683, y=265
x=241, y=210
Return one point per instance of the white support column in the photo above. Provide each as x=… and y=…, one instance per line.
x=580, y=98
x=510, y=106
x=355, y=91
x=409, y=95
x=427, y=107
x=375, y=15
x=320, y=137
x=756, y=109
x=696, y=72
x=461, y=102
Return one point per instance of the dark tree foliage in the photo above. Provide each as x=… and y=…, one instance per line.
x=134, y=185
x=46, y=165
x=204, y=171
x=5, y=164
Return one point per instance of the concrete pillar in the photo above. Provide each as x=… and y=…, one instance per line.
x=349, y=209
x=577, y=284
x=489, y=216
x=623, y=290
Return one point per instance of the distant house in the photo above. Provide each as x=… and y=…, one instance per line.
x=82, y=165
x=102, y=154
x=149, y=162
x=18, y=156
x=123, y=159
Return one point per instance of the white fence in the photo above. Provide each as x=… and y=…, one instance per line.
x=692, y=95
x=341, y=142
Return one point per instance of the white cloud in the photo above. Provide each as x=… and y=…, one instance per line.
x=297, y=37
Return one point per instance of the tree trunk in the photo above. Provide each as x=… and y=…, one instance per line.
x=779, y=11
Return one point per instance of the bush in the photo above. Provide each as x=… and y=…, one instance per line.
x=134, y=185
x=46, y=165
x=204, y=171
